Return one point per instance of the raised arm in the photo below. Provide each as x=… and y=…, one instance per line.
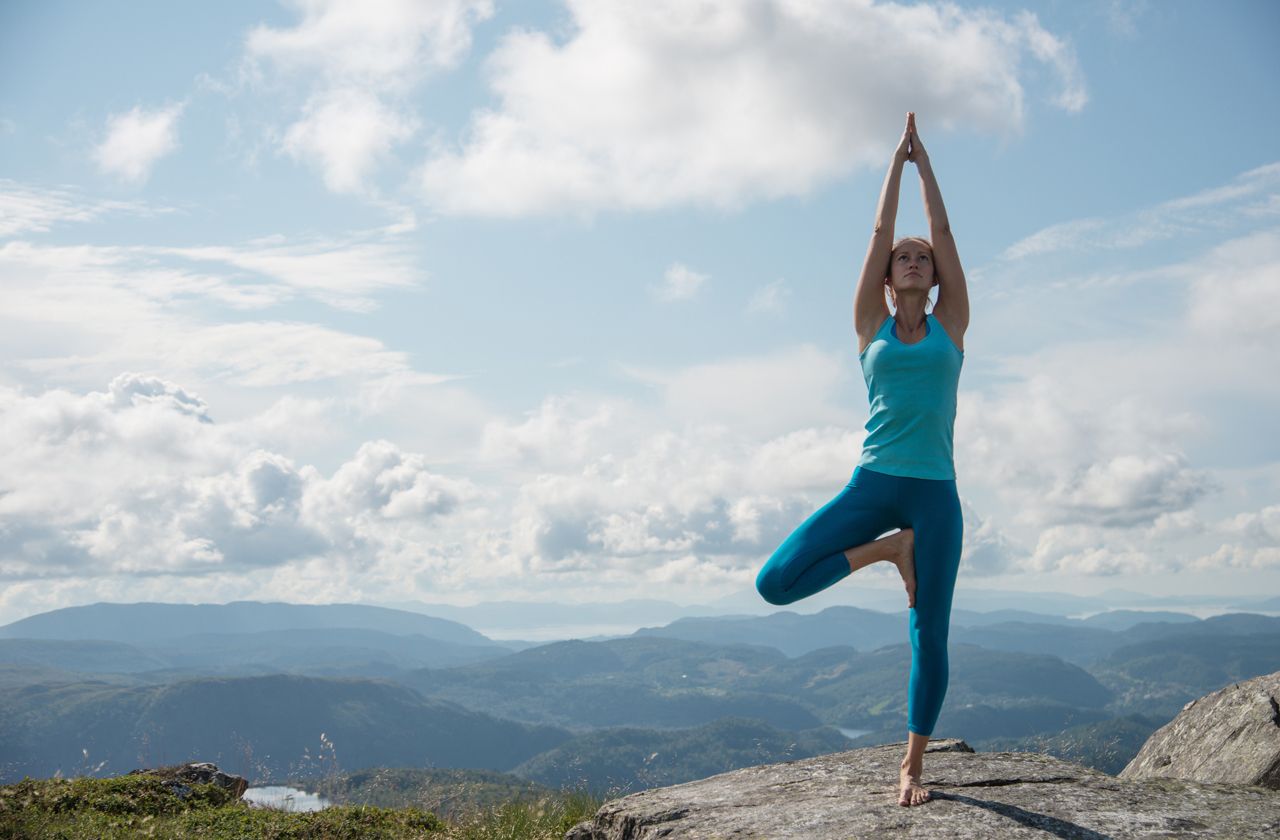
x=952, y=307
x=869, y=308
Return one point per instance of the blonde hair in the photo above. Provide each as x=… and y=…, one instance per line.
x=889, y=297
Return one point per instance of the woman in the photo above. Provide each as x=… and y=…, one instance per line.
x=905, y=478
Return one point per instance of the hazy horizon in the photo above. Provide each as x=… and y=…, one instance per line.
x=481, y=616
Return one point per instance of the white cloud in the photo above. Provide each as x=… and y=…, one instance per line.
x=267, y=354
x=771, y=297
x=679, y=282
x=27, y=209
x=1056, y=454
x=1127, y=490
x=764, y=395
x=1109, y=426
x=1236, y=290
x=986, y=550
x=1252, y=542
x=83, y=312
x=1058, y=55
x=345, y=132
x=373, y=43
x=647, y=105
x=137, y=480
x=1249, y=196
x=804, y=461
x=361, y=59
x=672, y=497
x=1087, y=550
x=340, y=272
x=131, y=389
x=562, y=431
x=136, y=140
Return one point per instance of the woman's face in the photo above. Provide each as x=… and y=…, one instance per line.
x=911, y=266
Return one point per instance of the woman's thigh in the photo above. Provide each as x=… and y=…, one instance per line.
x=934, y=514
x=863, y=510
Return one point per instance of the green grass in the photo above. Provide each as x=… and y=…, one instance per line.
x=142, y=806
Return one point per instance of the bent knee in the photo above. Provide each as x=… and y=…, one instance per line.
x=771, y=590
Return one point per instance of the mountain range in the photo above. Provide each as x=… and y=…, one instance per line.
x=256, y=684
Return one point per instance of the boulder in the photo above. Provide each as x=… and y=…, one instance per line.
x=975, y=795
x=1231, y=735
x=178, y=778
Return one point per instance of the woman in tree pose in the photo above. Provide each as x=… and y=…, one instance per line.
x=905, y=478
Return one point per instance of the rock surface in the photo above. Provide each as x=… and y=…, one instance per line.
x=200, y=773
x=1231, y=735
x=990, y=796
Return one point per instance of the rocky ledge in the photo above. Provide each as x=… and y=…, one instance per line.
x=1231, y=735
x=990, y=796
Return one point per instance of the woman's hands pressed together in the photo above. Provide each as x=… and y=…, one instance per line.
x=909, y=147
x=903, y=152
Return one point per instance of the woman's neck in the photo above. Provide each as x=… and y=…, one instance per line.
x=910, y=316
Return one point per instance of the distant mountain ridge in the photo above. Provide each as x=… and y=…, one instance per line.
x=150, y=623
x=1080, y=641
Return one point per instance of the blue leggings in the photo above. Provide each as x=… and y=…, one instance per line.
x=812, y=558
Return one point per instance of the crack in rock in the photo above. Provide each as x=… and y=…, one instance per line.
x=1048, y=780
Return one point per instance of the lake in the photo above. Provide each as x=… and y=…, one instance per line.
x=285, y=798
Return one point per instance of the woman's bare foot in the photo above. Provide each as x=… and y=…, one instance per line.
x=905, y=559
x=898, y=548
x=911, y=792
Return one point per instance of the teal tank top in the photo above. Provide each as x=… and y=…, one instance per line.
x=912, y=391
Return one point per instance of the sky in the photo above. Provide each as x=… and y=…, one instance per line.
x=469, y=300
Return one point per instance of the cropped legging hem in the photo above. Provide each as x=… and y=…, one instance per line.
x=812, y=559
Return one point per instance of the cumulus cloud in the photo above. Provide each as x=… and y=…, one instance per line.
x=679, y=282
x=986, y=550
x=345, y=132
x=1057, y=458
x=1127, y=490
x=361, y=60
x=674, y=497
x=136, y=140
x=637, y=503
x=136, y=480
x=562, y=431
x=647, y=105
x=373, y=43
x=1243, y=272
x=1088, y=550
x=1252, y=541
x=605, y=489
x=130, y=389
